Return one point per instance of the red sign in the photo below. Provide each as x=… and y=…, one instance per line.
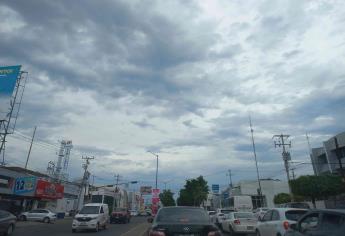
x=49, y=190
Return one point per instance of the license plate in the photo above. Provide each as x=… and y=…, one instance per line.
x=250, y=227
x=83, y=224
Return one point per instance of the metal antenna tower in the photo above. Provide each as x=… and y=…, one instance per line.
x=7, y=126
x=68, y=148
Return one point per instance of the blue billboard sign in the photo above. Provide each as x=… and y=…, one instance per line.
x=215, y=188
x=24, y=185
x=8, y=79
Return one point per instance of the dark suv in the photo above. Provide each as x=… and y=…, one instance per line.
x=120, y=215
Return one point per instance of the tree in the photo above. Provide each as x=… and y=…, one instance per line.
x=317, y=187
x=281, y=198
x=194, y=192
x=167, y=198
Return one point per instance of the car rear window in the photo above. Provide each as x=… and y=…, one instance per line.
x=226, y=211
x=244, y=215
x=294, y=215
x=182, y=215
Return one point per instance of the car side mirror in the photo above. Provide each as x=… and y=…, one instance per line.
x=150, y=220
x=294, y=227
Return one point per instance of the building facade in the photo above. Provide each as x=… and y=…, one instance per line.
x=325, y=159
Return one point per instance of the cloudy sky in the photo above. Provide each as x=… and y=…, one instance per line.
x=178, y=78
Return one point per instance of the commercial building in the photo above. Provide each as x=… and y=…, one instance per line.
x=326, y=159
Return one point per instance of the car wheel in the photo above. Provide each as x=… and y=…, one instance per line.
x=231, y=232
x=105, y=226
x=9, y=230
x=97, y=227
x=46, y=220
x=22, y=218
x=258, y=233
x=74, y=230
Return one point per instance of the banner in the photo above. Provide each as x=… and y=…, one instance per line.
x=8, y=78
x=155, y=200
x=49, y=190
x=24, y=185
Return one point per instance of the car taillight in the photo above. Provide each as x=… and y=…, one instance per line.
x=156, y=233
x=286, y=225
x=214, y=233
x=237, y=222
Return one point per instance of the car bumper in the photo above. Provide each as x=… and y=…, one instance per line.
x=244, y=229
x=118, y=219
x=84, y=225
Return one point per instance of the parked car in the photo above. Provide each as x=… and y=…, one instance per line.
x=7, y=222
x=239, y=223
x=278, y=220
x=319, y=223
x=182, y=221
x=92, y=216
x=302, y=205
x=260, y=212
x=120, y=215
x=44, y=215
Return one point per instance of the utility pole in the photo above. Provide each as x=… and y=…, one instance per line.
x=339, y=155
x=256, y=161
x=156, y=155
x=310, y=155
x=85, y=177
x=115, y=191
x=281, y=142
x=32, y=140
x=230, y=178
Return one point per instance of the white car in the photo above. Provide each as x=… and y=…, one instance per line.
x=92, y=216
x=239, y=223
x=277, y=221
x=43, y=215
x=260, y=212
x=220, y=216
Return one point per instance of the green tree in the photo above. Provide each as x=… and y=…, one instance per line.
x=194, y=192
x=167, y=198
x=317, y=187
x=281, y=198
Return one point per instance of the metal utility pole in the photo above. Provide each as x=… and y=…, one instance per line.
x=281, y=142
x=32, y=140
x=339, y=155
x=115, y=191
x=256, y=161
x=85, y=177
x=230, y=178
x=156, y=166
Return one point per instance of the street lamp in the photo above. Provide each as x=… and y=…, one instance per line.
x=156, y=166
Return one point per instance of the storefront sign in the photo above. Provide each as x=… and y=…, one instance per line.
x=49, y=190
x=24, y=185
x=145, y=190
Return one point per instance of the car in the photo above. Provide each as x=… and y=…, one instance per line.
x=239, y=223
x=302, y=205
x=7, y=222
x=93, y=216
x=120, y=215
x=260, y=212
x=277, y=221
x=182, y=221
x=133, y=212
x=211, y=214
x=220, y=216
x=44, y=215
x=319, y=222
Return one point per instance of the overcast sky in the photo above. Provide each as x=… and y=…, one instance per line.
x=178, y=78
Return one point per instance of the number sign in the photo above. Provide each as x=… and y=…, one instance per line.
x=24, y=185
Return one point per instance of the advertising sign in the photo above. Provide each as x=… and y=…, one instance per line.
x=24, y=185
x=147, y=199
x=155, y=201
x=215, y=188
x=8, y=78
x=49, y=190
x=146, y=190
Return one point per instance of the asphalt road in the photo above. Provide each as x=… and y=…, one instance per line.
x=136, y=227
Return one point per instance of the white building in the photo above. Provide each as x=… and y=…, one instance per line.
x=269, y=187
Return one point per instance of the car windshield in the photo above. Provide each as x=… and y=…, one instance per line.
x=244, y=215
x=294, y=215
x=182, y=215
x=212, y=213
x=89, y=210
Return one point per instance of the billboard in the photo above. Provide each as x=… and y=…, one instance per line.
x=24, y=185
x=49, y=190
x=8, y=78
x=146, y=190
x=215, y=188
x=155, y=200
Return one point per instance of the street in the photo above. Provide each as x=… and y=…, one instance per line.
x=136, y=227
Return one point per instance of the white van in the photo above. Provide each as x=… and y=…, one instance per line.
x=92, y=216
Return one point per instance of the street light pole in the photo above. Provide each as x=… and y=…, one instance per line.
x=156, y=167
